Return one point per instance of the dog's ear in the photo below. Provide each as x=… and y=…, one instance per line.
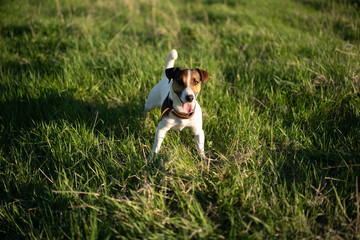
x=204, y=75
x=170, y=72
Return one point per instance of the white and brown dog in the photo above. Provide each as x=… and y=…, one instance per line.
x=176, y=94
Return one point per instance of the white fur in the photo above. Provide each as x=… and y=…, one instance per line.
x=187, y=91
x=156, y=98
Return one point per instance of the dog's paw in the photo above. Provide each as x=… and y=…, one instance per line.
x=204, y=158
x=152, y=157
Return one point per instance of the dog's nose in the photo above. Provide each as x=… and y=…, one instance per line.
x=189, y=98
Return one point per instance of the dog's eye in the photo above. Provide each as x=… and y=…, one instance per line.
x=195, y=81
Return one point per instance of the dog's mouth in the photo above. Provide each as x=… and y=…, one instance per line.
x=188, y=107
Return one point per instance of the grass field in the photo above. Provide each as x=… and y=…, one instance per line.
x=281, y=114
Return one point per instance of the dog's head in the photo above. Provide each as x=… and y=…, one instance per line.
x=187, y=85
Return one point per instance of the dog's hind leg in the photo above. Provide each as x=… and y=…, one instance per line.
x=153, y=99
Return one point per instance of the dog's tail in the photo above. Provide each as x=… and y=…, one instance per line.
x=170, y=60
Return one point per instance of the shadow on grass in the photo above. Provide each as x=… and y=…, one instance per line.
x=323, y=5
x=311, y=166
x=323, y=178
x=20, y=114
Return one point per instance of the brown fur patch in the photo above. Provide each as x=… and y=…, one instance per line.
x=180, y=78
x=195, y=81
x=179, y=81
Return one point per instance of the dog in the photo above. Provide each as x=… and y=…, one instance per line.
x=176, y=93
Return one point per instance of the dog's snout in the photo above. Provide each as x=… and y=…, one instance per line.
x=189, y=98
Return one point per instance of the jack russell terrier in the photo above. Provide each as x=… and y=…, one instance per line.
x=176, y=94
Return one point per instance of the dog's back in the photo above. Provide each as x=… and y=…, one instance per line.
x=158, y=94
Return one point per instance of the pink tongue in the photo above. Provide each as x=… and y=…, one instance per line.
x=187, y=107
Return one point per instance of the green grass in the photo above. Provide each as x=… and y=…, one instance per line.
x=281, y=119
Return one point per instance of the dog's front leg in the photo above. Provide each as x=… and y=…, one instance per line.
x=159, y=137
x=200, y=140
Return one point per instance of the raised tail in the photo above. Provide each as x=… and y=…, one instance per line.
x=170, y=60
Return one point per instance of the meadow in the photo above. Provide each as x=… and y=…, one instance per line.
x=281, y=115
